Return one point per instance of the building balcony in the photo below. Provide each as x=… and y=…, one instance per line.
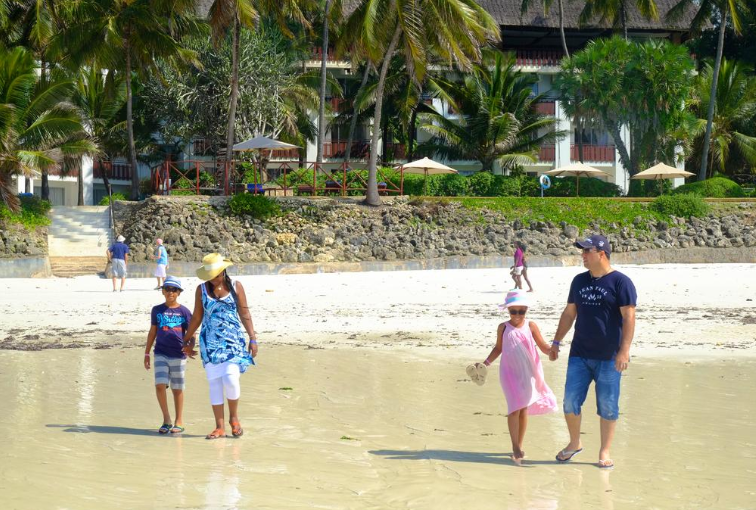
x=58, y=172
x=547, y=154
x=546, y=108
x=115, y=171
x=337, y=149
x=538, y=58
x=593, y=153
x=287, y=154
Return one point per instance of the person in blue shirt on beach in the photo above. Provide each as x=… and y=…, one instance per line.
x=601, y=304
x=161, y=259
x=118, y=256
x=169, y=322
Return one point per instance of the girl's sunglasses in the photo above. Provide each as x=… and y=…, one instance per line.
x=171, y=289
x=517, y=312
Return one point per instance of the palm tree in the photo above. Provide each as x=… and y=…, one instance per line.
x=228, y=16
x=498, y=121
x=128, y=35
x=330, y=13
x=39, y=128
x=733, y=136
x=450, y=30
x=615, y=12
x=100, y=96
x=724, y=9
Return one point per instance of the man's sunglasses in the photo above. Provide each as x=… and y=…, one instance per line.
x=171, y=289
x=517, y=312
x=589, y=250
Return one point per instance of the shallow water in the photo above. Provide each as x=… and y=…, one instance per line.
x=365, y=429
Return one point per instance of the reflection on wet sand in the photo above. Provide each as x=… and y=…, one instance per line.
x=356, y=428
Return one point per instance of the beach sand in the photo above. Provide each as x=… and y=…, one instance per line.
x=360, y=399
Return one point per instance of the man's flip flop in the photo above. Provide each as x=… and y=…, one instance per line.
x=606, y=464
x=566, y=455
x=165, y=428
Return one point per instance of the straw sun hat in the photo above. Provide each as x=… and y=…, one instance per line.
x=212, y=265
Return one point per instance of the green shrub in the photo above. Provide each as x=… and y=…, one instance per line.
x=589, y=187
x=515, y=186
x=481, y=183
x=257, y=206
x=716, y=187
x=454, y=185
x=183, y=187
x=116, y=196
x=649, y=188
x=684, y=206
x=33, y=212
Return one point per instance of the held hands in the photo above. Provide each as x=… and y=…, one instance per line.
x=189, y=349
x=554, y=352
x=253, y=347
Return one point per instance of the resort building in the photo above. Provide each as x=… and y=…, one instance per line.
x=534, y=40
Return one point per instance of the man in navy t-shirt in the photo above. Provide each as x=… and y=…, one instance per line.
x=601, y=304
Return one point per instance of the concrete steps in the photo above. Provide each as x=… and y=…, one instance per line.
x=68, y=267
x=78, y=231
x=77, y=240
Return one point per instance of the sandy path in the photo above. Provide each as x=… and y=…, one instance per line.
x=683, y=309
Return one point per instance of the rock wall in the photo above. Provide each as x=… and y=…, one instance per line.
x=328, y=230
x=17, y=242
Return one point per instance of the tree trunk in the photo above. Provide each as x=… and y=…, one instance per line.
x=623, y=14
x=80, y=185
x=579, y=126
x=713, y=96
x=27, y=185
x=561, y=29
x=130, y=122
x=371, y=196
x=353, y=122
x=384, y=143
x=411, y=134
x=323, y=76
x=233, y=99
x=105, y=180
x=45, y=175
x=614, y=130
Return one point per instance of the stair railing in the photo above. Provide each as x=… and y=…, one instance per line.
x=110, y=213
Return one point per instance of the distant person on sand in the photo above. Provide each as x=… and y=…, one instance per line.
x=519, y=264
x=220, y=305
x=118, y=256
x=161, y=258
x=169, y=322
x=520, y=370
x=601, y=303
x=524, y=267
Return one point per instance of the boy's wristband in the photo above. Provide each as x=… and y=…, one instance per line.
x=556, y=342
x=146, y=355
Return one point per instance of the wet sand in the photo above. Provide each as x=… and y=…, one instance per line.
x=366, y=429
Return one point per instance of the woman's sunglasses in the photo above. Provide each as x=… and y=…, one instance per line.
x=517, y=312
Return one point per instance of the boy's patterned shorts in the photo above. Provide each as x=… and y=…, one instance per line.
x=169, y=371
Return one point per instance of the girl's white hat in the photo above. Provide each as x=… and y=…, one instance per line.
x=212, y=265
x=515, y=298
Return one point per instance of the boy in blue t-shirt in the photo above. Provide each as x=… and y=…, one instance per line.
x=169, y=324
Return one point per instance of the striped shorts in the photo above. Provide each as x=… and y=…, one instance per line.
x=169, y=371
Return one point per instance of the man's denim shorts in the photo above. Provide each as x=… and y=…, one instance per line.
x=580, y=373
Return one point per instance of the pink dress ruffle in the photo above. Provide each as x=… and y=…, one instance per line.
x=521, y=373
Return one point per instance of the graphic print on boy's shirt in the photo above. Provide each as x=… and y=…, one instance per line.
x=171, y=324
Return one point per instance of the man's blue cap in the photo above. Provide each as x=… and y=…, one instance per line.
x=597, y=241
x=172, y=281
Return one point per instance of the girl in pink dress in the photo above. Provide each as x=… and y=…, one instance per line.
x=520, y=370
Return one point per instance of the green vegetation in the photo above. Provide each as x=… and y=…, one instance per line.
x=347, y=438
x=33, y=213
x=286, y=388
x=716, y=187
x=116, y=196
x=257, y=206
x=684, y=206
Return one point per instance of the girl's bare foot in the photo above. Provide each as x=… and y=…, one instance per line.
x=215, y=434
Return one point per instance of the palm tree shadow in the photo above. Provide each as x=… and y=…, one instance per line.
x=105, y=429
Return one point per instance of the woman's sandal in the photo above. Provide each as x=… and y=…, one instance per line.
x=165, y=428
x=177, y=429
x=236, y=428
x=215, y=434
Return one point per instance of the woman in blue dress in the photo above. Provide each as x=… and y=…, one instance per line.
x=220, y=306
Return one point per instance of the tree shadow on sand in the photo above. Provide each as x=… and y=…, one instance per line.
x=460, y=456
x=104, y=429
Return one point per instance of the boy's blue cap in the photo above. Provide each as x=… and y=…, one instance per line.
x=172, y=281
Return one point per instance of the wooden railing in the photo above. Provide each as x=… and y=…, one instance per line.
x=594, y=153
x=546, y=108
x=538, y=58
x=337, y=149
x=547, y=153
x=117, y=171
x=288, y=154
